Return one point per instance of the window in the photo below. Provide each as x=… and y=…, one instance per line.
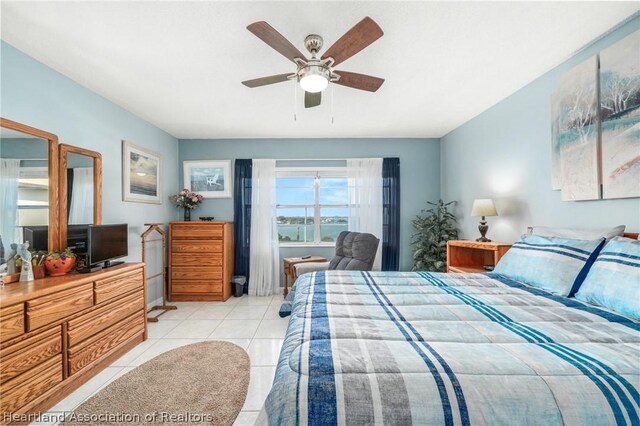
x=33, y=196
x=312, y=205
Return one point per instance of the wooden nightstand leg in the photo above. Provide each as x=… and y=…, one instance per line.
x=286, y=283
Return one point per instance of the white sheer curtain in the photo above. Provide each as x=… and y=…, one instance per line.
x=9, y=174
x=365, y=199
x=81, y=208
x=264, y=263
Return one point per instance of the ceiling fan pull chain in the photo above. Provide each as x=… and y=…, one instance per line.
x=295, y=100
x=332, y=104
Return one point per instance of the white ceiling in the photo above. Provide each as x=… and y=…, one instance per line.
x=179, y=64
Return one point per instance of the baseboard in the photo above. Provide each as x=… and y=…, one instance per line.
x=156, y=302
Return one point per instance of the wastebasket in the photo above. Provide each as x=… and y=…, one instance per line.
x=238, y=282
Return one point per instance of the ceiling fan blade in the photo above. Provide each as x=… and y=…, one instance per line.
x=359, y=81
x=263, y=81
x=357, y=38
x=312, y=99
x=273, y=38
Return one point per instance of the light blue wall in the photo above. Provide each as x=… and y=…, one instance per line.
x=505, y=154
x=419, y=172
x=34, y=94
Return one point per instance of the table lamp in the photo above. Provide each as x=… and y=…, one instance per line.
x=483, y=207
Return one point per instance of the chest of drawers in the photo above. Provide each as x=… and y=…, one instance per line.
x=200, y=260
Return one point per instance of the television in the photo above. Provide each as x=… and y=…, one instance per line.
x=38, y=237
x=77, y=239
x=106, y=243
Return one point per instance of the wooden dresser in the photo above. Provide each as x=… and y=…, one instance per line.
x=200, y=260
x=58, y=332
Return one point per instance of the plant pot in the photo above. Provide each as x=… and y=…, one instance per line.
x=57, y=267
x=38, y=272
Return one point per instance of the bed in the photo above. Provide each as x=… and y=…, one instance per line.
x=398, y=348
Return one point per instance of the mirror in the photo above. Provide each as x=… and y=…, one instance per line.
x=28, y=186
x=80, y=188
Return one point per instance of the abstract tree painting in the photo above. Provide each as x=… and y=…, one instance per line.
x=575, y=133
x=556, y=166
x=620, y=117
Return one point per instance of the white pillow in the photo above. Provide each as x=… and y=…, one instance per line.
x=578, y=233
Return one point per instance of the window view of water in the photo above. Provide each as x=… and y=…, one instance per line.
x=296, y=233
x=302, y=199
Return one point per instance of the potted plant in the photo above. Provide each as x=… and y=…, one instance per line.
x=188, y=201
x=434, y=228
x=60, y=263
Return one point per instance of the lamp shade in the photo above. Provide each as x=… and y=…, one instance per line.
x=483, y=207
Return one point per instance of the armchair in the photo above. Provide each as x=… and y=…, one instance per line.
x=355, y=251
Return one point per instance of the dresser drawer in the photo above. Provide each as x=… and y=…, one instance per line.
x=196, y=247
x=189, y=286
x=196, y=259
x=85, y=326
x=27, y=354
x=120, y=284
x=197, y=231
x=49, y=309
x=102, y=344
x=196, y=272
x=22, y=389
x=11, y=321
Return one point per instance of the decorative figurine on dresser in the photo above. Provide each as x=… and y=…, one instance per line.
x=11, y=259
x=26, y=274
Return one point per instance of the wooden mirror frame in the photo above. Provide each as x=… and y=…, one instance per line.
x=54, y=230
x=64, y=151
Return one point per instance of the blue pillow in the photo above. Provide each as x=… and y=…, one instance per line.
x=285, y=308
x=556, y=265
x=614, y=279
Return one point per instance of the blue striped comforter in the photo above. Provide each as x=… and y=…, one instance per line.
x=398, y=348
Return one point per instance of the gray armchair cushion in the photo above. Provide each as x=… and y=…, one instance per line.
x=355, y=251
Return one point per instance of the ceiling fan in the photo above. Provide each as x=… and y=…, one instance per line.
x=315, y=74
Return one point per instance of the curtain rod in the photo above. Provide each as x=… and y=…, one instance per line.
x=323, y=159
x=312, y=159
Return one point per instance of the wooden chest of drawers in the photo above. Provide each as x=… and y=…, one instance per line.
x=58, y=332
x=200, y=260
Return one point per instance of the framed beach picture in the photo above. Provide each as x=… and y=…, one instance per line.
x=141, y=170
x=212, y=179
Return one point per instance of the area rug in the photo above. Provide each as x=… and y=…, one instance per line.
x=199, y=384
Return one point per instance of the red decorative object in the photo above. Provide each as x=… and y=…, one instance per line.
x=59, y=264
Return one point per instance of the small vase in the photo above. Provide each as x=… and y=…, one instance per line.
x=187, y=214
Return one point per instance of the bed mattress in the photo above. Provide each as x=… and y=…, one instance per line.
x=400, y=348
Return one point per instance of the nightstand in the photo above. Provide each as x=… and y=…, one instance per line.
x=472, y=256
x=290, y=272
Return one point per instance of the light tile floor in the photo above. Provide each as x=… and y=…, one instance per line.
x=250, y=322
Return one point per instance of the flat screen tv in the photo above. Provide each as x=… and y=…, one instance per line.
x=77, y=238
x=38, y=237
x=107, y=243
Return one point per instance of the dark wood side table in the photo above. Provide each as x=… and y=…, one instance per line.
x=472, y=256
x=290, y=272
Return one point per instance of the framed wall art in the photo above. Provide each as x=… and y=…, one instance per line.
x=141, y=174
x=620, y=117
x=210, y=178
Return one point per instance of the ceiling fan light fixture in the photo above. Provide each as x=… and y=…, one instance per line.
x=314, y=78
